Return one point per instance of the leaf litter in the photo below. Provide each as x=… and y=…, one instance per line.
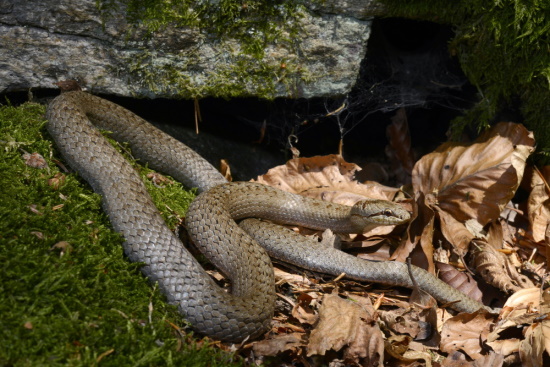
x=465, y=228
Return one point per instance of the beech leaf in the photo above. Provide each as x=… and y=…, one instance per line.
x=466, y=332
x=476, y=181
x=349, y=325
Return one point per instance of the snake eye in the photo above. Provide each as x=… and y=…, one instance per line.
x=388, y=213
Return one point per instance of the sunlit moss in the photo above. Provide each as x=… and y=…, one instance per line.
x=68, y=295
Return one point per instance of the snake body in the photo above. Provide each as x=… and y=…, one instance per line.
x=247, y=310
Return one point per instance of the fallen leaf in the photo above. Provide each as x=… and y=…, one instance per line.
x=278, y=344
x=476, y=181
x=466, y=332
x=525, y=298
x=329, y=178
x=28, y=325
x=462, y=281
x=302, y=310
x=57, y=180
x=496, y=270
x=343, y=323
x=538, y=205
x=532, y=347
x=35, y=160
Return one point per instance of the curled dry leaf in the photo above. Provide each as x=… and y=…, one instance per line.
x=466, y=332
x=282, y=276
x=474, y=182
x=496, y=270
x=462, y=281
x=523, y=310
x=343, y=323
x=538, y=205
x=524, y=299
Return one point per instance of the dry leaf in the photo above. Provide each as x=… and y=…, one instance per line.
x=343, y=323
x=328, y=178
x=294, y=279
x=524, y=298
x=474, y=182
x=462, y=281
x=159, y=180
x=57, y=180
x=225, y=170
x=302, y=310
x=35, y=160
x=532, y=347
x=496, y=270
x=278, y=344
x=420, y=231
x=538, y=205
x=466, y=332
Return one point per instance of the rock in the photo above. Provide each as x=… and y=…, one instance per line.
x=43, y=42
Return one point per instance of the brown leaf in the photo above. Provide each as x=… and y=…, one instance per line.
x=466, y=332
x=538, y=205
x=302, y=310
x=343, y=323
x=532, y=347
x=496, y=269
x=420, y=231
x=68, y=85
x=158, y=179
x=278, y=344
x=403, y=321
x=324, y=177
x=455, y=232
x=63, y=247
x=462, y=281
x=35, y=160
x=225, y=170
x=57, y=180
x=400, y=151
x=28, y=325
x=474, y=182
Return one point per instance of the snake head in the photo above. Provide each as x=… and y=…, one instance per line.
x=367, y=214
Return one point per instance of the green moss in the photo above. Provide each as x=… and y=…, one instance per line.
x=504, y=49
x=254, y=24
x=68, y=295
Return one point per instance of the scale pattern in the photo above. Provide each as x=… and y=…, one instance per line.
x=248, y=309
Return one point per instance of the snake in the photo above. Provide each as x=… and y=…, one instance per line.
x=75, y=120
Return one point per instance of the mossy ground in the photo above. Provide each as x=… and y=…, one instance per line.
x=68, y=295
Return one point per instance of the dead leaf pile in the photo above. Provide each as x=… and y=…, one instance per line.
x=462, y=218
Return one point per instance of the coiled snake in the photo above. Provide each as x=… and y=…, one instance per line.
x=247, y=310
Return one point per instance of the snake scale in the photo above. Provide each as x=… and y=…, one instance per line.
x=247, y=310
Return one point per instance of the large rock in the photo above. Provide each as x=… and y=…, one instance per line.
x=42, y=42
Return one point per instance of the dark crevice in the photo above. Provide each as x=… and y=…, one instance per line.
x=407, y=65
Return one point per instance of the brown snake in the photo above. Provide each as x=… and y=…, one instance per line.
x=247, y=310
